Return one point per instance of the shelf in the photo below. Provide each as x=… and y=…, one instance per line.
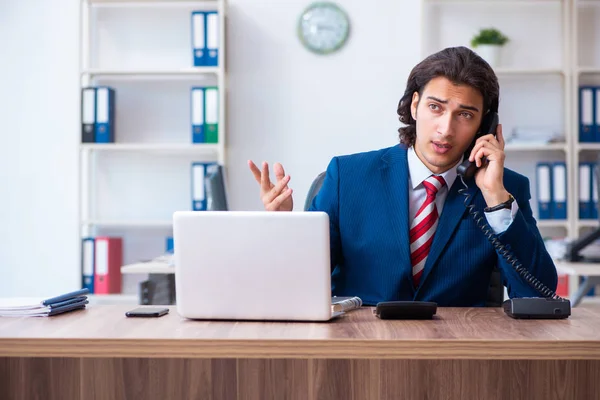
x=212, y=149
x=577, y=268
x=536, y=147
x=588, y=70
x=129, y=223
x=588, y=223
x=149, y=3
x=508, y=3
x=508, y=71
x=553, y=223
x=587, y=146
x=162, y=74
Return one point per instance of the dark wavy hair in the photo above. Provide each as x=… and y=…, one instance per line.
x=461, y=66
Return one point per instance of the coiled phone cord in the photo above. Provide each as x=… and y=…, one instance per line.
x=502, y=250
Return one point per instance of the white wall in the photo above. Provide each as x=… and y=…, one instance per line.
x=285, y=105
x=39, y=133
x=291, y=106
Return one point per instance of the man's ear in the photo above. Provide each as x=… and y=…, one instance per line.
x=413, y=105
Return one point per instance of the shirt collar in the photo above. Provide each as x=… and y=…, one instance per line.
x=418, y=172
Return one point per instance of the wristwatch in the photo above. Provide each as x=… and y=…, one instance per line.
x=506, y=204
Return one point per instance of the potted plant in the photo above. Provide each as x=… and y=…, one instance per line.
x=487, y=43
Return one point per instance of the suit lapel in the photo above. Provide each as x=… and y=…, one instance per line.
x=394, y=175
x=452, y=213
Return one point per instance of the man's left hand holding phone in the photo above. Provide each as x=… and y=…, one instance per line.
x=148, y=312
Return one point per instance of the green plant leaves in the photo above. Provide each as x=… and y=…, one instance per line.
x=489, y=36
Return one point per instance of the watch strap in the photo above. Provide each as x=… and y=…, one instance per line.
x=506, y=204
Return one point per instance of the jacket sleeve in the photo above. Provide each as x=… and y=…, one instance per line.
x=327, y=200
x=525, y=243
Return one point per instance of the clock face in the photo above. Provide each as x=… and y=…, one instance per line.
x=323, y=28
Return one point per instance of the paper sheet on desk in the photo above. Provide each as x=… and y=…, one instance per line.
x=9, y=309
x=21, y=303
x=43, y=306
x=23, y=306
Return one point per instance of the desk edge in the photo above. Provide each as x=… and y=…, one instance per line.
x=302, y=349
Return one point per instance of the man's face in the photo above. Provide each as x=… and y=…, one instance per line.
x=448, y=117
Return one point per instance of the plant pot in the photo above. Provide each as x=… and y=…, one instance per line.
x=490, y=53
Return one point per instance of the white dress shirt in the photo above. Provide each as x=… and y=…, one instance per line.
x=499, y=220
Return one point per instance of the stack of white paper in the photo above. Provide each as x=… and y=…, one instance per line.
x=43, y=307
x=21, y=306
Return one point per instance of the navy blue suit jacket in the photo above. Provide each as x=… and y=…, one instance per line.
x=366, y=198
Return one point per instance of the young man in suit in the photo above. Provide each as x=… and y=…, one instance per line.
x=400, y=229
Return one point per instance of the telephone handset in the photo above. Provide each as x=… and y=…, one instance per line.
x=551, y=305
x=488, y=125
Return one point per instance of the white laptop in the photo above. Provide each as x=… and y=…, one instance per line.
x=252, y=265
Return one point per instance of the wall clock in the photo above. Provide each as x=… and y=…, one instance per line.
x=323, y=27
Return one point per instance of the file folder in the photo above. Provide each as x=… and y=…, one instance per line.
x=211, y=114
x=66, y=298
x=199, y=202
x=197, y=114
x=108, y=262
x=105, y=114
x=562, y=287
x=597, y=114
x=559, y=191
x=585, y=191
x=594, y=205
x=198, y=190
x=587, y=107
x=56, y=310
x=88, y=115
x=87, y=263
x=544, y=190
x=169, y=245
x=199, y=52
x=592, y=291
x=212, y=38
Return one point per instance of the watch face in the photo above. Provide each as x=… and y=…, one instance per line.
x=323, y=28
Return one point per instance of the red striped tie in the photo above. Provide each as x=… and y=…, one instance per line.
x=423, y=227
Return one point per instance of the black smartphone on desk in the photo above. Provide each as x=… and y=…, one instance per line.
x=148, y=312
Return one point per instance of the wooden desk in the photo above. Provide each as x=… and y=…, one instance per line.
x=467, y=353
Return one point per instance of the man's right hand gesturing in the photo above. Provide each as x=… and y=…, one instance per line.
x=275, y=197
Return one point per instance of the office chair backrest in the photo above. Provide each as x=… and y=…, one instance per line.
x=495, y=295
x=313, y=190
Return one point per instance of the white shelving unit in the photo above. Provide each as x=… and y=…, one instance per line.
x=585, y=56
x=128, y=223
x=526, y=147
x=186, y=73
x=130, y=188
x=535, y=75
x=500, y=71
x=209, y=150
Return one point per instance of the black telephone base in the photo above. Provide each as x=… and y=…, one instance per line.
x=537, y=308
